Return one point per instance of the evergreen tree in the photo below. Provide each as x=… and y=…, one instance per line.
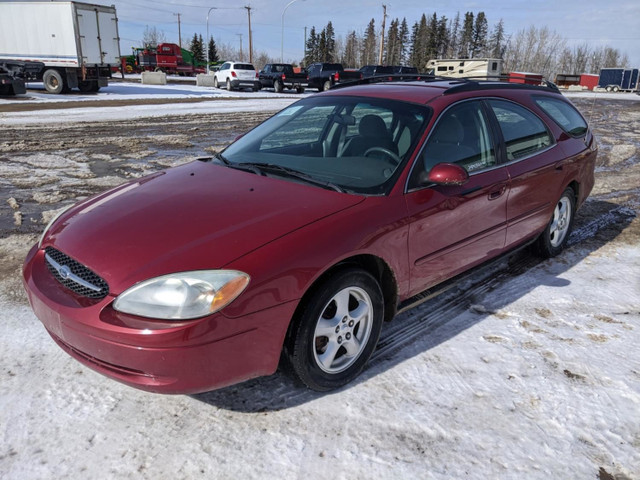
x=479, y=40
x=368, y=55
x=196, y=48
x=454, y=37
x=213, y=51
x=351, y=48
x=330, y=43
x=403, y=36
x=497, y=45
x=392, y=53
x=466, y=38
x=322, y=46
x=442, y=37
x=312, y=47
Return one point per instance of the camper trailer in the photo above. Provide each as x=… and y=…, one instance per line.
x=465, y=67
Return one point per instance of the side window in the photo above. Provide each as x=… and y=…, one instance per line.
x=523, y=132
x=461, y=135
x=564, y=114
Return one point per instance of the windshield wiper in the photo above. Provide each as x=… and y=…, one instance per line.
x=238, y=166
x=290, y=172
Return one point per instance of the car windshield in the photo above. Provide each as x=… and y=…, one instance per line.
x=354, y=143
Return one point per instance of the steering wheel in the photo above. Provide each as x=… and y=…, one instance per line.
x=395, y=159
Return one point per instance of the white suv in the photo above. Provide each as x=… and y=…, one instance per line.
x=237, y=75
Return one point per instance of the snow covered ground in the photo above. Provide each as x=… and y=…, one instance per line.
x=529, y=370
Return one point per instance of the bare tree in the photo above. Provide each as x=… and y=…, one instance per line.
x=151, y=37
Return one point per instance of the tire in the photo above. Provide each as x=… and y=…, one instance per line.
x=229, y=87
x=215, y=83
x=555, y=236
x=337, y=330
x=326, y=85
x=616, y=89
x=277, y=86
x=300, y=90
x=53, y=82
x=608, y=88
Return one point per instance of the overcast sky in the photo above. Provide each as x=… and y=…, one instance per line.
x=594, y=21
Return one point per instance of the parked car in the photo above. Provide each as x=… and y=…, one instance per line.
x=234, y=75
x=305, y=234
x=280, y=76
x=323, y=76
x=373, y=70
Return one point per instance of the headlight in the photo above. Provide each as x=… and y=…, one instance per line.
x=183, y=296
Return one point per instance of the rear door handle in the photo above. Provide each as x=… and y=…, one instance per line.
x=495, y=194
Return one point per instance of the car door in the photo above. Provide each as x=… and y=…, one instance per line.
x=455, y=227
x=535, y=165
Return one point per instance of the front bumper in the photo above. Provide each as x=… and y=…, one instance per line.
x=158, y=356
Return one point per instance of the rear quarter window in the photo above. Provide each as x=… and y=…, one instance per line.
x=564, y=114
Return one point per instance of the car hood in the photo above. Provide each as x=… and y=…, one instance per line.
x=193, y=217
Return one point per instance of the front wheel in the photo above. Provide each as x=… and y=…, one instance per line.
x=229, y=87
x=554, y=238
x=215, y=83
x=337, y=331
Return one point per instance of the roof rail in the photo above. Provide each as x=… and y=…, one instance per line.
x=394, y=77
x=458, y=84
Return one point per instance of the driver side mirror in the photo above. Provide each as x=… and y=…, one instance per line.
x=448, y=174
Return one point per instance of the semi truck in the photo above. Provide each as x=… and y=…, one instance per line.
x=77, y=43
x=619, y=79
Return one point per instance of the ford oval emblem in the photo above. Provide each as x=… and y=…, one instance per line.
x=64, y=271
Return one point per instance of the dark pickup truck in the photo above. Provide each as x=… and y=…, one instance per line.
x=324, y=75
x=280, y=76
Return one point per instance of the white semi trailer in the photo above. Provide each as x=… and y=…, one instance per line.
x=78, y=43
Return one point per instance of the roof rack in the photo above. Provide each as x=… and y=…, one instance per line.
x=459, y=84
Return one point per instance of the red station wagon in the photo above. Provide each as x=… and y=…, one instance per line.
x=302, y=237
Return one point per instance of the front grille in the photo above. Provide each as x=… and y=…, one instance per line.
x=75, y=276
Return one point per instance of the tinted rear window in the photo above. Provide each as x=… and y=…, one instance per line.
x=564, y=114
x=243, y=66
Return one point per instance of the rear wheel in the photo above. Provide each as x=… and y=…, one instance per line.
x=300, y=90
x=337, y=331
x=277, y=86
x=53, y=82
x=326, y=86
x=554, y=238
x=215, y=83
x=229, y=87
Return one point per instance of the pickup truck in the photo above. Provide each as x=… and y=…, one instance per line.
x=324, y=75
x=280, y=76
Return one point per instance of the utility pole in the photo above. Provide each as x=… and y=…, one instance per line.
x=250, y=39
x=241, y=56
x=179, y=33
x=384, y=19
x=304, y=60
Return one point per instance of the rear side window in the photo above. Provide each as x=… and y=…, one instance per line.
x=564, y=114
x=243, y=66
x=523, y=132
